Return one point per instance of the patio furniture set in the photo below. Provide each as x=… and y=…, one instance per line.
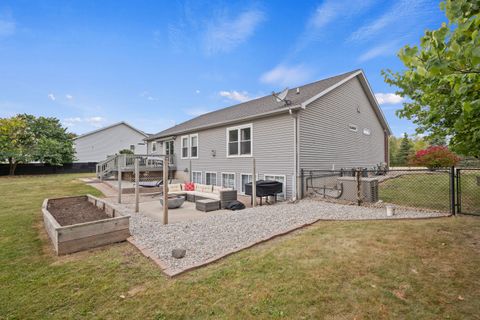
x=206, y=197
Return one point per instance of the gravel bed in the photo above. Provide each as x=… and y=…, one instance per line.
x=216, y=236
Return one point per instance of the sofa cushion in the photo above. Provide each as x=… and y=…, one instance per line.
x=174, y=187
x=203, y=187
x=189, y=186
x=217, y=189
x=208, y=195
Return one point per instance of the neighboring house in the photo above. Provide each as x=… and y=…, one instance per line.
x=96, y=145
x=333, y=123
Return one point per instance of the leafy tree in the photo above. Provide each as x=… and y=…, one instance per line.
x=405, y=150
x=25, y=138
x=435, y=157
x=442, y=79
x=125, y=151
x=419, y=143
x=393, y=147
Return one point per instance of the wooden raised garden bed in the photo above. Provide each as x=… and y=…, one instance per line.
x=83, y=222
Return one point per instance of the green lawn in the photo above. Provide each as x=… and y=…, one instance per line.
x=336, y=270
x=431, y=191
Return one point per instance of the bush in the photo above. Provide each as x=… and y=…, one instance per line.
x=435, y=157
x=126, y=151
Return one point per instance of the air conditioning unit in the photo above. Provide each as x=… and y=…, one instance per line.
x=368, y=189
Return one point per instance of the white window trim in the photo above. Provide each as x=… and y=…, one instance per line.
x=154, y=146
x=249, y=125
x=181, y=147
x=244, y=174
x=190, y=145
x=284, y=185
x=216, y=177
x=234, y=179
x=201, y=176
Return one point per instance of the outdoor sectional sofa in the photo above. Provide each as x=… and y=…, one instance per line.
x=203, y=191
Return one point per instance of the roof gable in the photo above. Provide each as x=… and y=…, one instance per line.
x=109, y=127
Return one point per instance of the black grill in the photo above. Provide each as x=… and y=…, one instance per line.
x=265, y=188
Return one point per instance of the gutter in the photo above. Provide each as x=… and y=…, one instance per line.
x=223, y=123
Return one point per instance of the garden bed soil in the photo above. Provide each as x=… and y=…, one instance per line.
x=85, y=211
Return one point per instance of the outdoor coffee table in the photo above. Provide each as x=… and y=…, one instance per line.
x=206, y=205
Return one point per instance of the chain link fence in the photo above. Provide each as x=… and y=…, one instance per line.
x=444, y=189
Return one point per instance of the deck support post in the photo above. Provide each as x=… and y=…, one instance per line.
x=119, y=184
x=165, y=190
x=254, y=184
x=137, y=185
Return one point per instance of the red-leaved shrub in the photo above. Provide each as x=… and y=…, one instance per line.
x=435, y=157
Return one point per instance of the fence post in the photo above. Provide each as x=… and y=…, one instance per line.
x=358, y=174
x=452, y=191
x=302, y=176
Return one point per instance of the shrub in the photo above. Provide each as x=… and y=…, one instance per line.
x=126, y=151
x=435, y=157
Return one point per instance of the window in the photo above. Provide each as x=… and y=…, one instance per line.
x=189, y=146
x=154, y=146
x=194, y=146
x=184, y=147
x=228, y=180
x=132, y=147
x=211, y=178
x=279, y=178
x=366, y=131
x=352, y=127
x=169, y=147
x=245, y=178
x=239, y=141
x=197, y=176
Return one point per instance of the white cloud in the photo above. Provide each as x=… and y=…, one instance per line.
x=235, y=95
x=380, y=50
x=388, y=98
x=7, y=27
x=146, y=95
x=96, y=121
x=401, y=14
x=69, y=96
x=226, y=33
x=286, y=75
x=195, y=112
x=51, y=96
x=197, y=91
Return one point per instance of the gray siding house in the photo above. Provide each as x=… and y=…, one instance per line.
x=95, y=146
x=328, y=124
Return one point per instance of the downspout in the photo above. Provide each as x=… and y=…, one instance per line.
x=294, y=115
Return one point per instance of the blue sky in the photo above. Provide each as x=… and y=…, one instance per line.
x=154, y=64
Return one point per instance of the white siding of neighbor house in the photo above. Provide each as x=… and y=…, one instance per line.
x=272, y=145
x=97, y=146
x=325, y=139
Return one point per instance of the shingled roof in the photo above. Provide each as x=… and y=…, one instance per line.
x=253, y=108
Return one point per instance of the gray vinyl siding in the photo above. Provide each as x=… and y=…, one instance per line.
x=272, y=144
x=325, y=139
x=97, y=146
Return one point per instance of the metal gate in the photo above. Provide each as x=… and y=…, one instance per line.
x=468, y=191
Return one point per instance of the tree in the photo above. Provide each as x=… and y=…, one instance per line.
x=25, y=138
x=405, y=151
x=126, y=151
x=393, y=147
x=442, y=79
x=435, y=157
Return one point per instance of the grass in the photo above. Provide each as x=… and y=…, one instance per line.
x=336, y=270
x=431, y=191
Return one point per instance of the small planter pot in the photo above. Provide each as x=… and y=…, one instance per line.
x=390, y=211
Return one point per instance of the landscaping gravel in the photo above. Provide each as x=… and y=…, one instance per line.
x=215, y=236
